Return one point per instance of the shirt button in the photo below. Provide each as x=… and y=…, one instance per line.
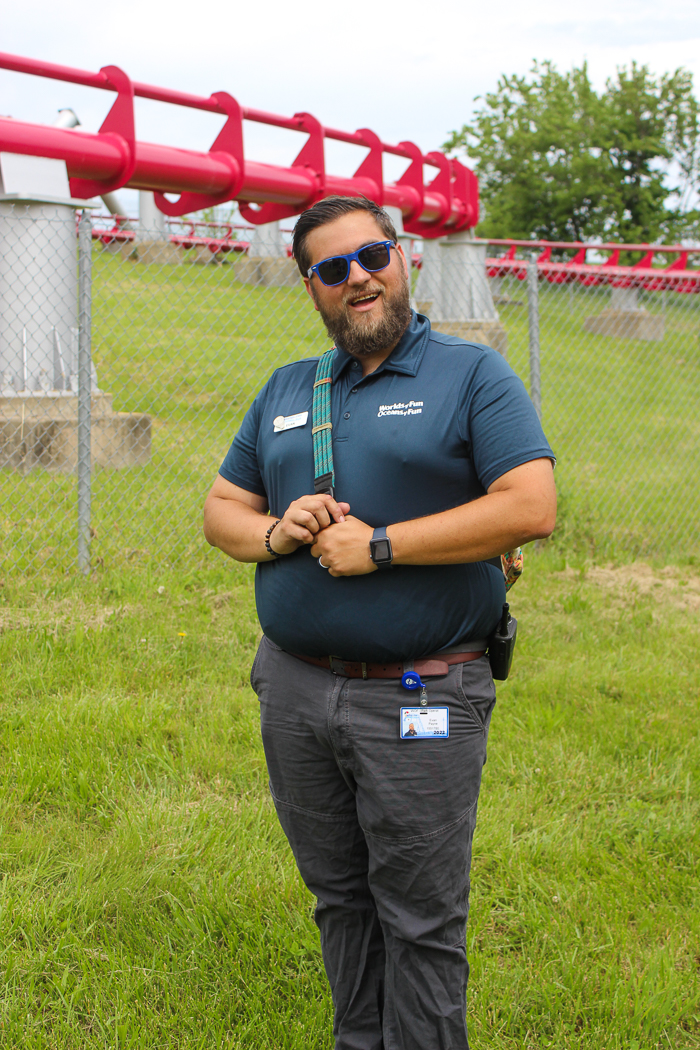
x=346, y=415
x=354, y=390
x=356, y=364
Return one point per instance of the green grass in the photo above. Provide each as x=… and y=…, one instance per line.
x=149, y=899
x=190, y=345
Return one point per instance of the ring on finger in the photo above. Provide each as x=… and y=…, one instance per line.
x=322, y=565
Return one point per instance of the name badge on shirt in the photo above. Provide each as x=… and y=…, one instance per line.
x=419, y=723
x=281, y=423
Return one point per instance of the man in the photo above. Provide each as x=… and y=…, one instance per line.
x=436, y=440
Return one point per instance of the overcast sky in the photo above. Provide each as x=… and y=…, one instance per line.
x=407, y=70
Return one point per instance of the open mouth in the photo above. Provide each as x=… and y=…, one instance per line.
x=364, y=302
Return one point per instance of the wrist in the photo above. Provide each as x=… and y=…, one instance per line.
x=268, y=537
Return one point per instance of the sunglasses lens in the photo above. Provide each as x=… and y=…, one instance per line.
x=374, y=257
x=333, y=271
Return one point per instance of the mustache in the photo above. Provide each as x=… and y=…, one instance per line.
x=353, y=296
x=361, y=293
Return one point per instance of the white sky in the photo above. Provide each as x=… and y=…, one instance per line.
x=408, y=70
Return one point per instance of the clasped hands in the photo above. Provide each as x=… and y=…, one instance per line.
x=336, y=537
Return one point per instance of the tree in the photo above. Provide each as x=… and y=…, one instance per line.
x=651, y=140
x=556, y=160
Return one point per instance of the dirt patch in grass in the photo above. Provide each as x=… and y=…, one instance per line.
x=63, y=613
x=669, y=587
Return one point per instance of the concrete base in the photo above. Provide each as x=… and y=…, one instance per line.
x=157, y=253
x=484, y=330
x=201, y=256
x=42, y=431
x=627, y=324
x=268, y=273
x=501, y=298
x=124, y=249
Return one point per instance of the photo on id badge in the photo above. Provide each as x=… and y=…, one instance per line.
x=421, y=722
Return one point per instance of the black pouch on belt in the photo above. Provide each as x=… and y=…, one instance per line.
x=502, y=645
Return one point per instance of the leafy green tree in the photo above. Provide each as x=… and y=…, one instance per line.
x=556, y=160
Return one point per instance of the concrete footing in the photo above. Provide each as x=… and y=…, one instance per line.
x=627, y=324
x=267, y=264
x=157, y=253
x=268, y=272
x=501, y=298
x=124, y=249
x=41, y=430
x=488, y=331
x=201, y=256
x=453, y=291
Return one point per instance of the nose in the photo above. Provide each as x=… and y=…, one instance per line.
x=357, y=275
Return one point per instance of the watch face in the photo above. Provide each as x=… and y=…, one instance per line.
x=381, y=550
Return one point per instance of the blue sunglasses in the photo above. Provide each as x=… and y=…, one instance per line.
x=372, y=257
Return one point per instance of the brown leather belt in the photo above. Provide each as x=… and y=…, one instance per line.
x=438, y=664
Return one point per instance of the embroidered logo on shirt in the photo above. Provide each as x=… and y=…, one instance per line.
x=281, y=423
x=399, y=408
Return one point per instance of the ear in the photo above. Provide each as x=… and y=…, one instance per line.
x=307, y=285
x=406, y=267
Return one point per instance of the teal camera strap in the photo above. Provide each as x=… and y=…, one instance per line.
x=321, y=426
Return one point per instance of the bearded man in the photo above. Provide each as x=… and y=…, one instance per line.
x=440, y=466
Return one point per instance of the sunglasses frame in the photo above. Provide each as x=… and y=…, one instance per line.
x=348, y=259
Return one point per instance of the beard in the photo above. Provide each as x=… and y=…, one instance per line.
x=360, y=334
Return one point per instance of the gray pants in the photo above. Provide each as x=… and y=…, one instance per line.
x=381, y=829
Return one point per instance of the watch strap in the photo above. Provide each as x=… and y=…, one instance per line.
x=379, y=534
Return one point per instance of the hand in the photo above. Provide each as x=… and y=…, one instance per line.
x=344, y=547
x=304, y=519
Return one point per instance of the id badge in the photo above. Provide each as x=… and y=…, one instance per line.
x=421, y=723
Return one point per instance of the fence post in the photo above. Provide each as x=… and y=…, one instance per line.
x=84, y=388
x=533, y=311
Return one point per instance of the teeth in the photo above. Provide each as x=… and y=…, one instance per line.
x=365, y=297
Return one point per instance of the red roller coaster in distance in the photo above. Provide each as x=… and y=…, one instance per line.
x=113, y=158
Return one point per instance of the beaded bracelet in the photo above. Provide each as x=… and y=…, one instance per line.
x=268, y=548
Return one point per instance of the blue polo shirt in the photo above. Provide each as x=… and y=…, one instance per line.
x=432, y=428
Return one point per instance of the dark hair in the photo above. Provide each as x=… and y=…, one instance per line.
x=328, y=210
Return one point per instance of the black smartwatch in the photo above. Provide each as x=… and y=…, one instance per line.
x=380, y=549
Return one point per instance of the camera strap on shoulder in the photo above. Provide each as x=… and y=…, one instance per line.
x=321, y=426
x=511, y=564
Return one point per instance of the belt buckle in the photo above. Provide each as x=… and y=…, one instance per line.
x=337, y=665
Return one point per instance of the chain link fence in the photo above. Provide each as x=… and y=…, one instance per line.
x=619, y=382
x=127, y=363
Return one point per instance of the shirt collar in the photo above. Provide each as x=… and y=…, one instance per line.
x=406, y=355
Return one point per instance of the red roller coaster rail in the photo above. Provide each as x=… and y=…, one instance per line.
x=113, y=158
x=643, y=274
